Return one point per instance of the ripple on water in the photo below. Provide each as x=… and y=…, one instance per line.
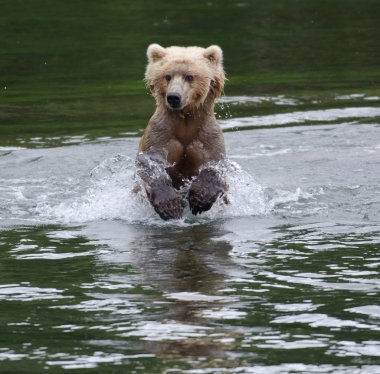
x=287, y=280
x=25, y=292
x=167, y=330
x=224, y=313
x=322, y=320
x=355, y=349
x=67, y=361
x=326, y=115
x=288, y=368
x=372, y=311
x=116, y=304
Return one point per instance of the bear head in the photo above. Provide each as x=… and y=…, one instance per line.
x=185, y=78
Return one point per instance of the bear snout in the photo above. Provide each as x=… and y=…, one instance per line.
x=174, y=100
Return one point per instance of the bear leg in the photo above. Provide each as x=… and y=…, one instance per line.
x=165, y=199
x=205, y=190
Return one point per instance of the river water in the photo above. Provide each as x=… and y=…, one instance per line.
x=284, y=279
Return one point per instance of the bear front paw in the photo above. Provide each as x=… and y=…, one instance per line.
x=205, y=190
x=166, y=201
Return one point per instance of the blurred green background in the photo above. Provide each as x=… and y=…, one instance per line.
x=76, y=67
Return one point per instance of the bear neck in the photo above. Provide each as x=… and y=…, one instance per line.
x=197, y=113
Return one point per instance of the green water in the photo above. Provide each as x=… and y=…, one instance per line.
x=77, y=66
x=284, y=280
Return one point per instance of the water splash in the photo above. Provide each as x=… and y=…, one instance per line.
x=112, y=196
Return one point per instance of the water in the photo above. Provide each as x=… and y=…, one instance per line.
x=284, y=279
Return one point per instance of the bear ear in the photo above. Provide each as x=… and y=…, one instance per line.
x=214, y=54
x=155, y=52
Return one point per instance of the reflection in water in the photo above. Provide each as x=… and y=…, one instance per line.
x=187, y=259
x=189, y=267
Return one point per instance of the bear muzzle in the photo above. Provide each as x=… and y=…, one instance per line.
x=173, y=100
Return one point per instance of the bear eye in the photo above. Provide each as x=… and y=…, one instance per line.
x=189, y=78
x=168, y=78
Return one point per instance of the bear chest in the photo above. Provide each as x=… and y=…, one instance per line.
x=187, y=158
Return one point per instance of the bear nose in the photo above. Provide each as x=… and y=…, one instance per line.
x=173, y=99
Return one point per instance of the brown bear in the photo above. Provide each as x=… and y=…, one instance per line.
x=183, y=137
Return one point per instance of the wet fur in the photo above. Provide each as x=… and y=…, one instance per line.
x=183, y=141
